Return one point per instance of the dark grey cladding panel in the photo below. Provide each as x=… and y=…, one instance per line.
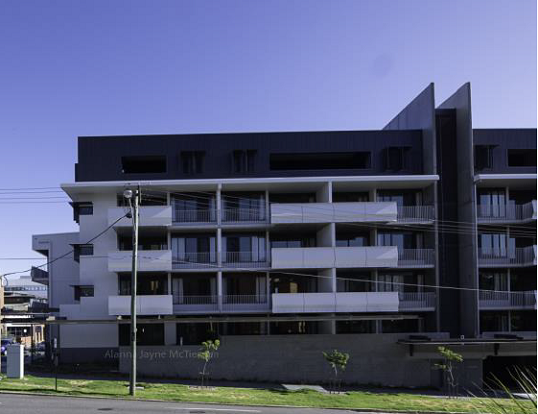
x=503, y=140
x=460, y=102
x=99, y=158
x=420, y=114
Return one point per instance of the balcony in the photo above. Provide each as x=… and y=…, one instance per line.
x=39, y=275
x=509, y=213
x=335, y=302
x=195, y=303
x=244, y=216
x=416, y=258
x=194, y=217
x=195, y=260
x=507, y=300
x=148, y=261
x=222, y=304
x=145, y=305
x=333, y=213
x=518, y=257
x=417, y=301
x=416, y=214
x=150, y=216
x=244, y=260
x=327, y=257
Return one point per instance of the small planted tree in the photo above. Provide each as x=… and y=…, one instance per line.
x=447, y=366
x=338, y=362
x=206, y=354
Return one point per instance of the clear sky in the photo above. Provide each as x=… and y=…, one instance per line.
x=101, y=67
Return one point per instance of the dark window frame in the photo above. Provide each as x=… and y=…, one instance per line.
x=192, y=162
x=144, y=164
x=520, y=157
x=315, y=161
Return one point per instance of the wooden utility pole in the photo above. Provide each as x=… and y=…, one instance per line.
x=133, y=197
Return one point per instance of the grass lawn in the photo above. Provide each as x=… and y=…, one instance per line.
x=228, y=395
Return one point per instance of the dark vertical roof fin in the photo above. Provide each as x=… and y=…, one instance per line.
x=420, y=114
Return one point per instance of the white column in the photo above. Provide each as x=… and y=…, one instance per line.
x=219, y=247
x=219, y=290
x=169, y=333
x=219, y=206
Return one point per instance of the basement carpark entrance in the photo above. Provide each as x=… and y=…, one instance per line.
x=503, y=367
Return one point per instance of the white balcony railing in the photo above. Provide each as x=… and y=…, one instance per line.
x=507, y=300
x=145, y=305
x=217, y=304
x=245, y=303
x=416, y=214
x=417, y=301
x=195, y=260
x=518, y=257
x=150, y=216
x=335, y=302
x=244, y=215
x=417, y=258
x=244, y=259
x=499, y=213
x=148, y=260
x=327, y=257
x=198, y=216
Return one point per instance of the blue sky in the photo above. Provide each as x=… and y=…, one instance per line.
x=100, y=67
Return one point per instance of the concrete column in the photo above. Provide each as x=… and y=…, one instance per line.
x=268, y=246
x=219, y=204
x=267, y=206
x=323, y=195
x=169, y=283
x=219, y=290
x=268, y=287
x=219, y=247
x=170, y=333
x=372, y=195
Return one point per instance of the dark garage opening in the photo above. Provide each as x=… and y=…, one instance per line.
x=502, y=368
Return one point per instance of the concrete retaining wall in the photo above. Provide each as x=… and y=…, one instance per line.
x=374, y=359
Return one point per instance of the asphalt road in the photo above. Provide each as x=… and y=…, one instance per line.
x=18, y=404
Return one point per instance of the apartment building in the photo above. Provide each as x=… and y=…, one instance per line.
x=383, y=244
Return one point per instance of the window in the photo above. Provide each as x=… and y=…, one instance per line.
x=492, y=280
x=361, y=197
x=396, y=158
x=321, y=161
x=151, y=164
x=82, y=209
x=146, y=285
x=402, y=198
x=244, y=248
x=292, y=241
x=522, y=157
x=195, y=333
x=147, y=334
x=192, y=162
x=352, y=240
x=82, y=250
x=244, y=161
x=483, y=157
x=403, y=240
x=494, y=244
x=83, y=292
x=492, y=203
x=194, y=249
x=125, y=243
